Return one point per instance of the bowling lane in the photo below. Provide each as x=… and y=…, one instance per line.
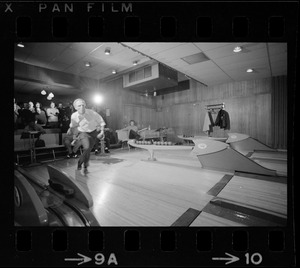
x=273, y=160
x=129, y=190
x=207, y=219
x=250, y=200
x=277, y=155
x=262, y=195
x=146, y=193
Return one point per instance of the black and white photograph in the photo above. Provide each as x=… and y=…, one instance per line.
x=150, y=134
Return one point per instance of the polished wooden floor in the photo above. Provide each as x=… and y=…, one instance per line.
x=129, y=190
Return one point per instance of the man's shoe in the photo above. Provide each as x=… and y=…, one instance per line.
x=96, y=152
x=107, y=151
x=75, y=155
x=85, y=170
x=69, y=155
x=79, y=167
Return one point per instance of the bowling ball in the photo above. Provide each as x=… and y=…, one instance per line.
x=169, y=143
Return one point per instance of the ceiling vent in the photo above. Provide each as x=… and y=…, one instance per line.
x=195, y=58
x=156, y=76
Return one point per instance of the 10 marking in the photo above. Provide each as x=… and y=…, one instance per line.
x=255, y=258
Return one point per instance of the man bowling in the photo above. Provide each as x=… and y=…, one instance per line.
x=89, y=124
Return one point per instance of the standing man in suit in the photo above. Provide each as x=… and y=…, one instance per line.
x=89, y=124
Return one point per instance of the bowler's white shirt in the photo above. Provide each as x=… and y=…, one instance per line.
x=87, y=122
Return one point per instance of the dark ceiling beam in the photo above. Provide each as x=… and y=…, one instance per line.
x=31, y=73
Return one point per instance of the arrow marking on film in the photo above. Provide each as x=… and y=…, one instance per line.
x=83, y=259
x=231, y=259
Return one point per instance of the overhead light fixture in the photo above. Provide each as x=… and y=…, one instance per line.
x=249, y=70
x=43, y=92
x=114, y=72
x=135, y=62
x=20, y=45
x=98, y=99
x=154, y=93
x=237, y=49
x=51, y=95
x=87, y=64
x=107, y=51
x=49, y=98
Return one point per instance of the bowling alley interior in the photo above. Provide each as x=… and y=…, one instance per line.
x=209, y=146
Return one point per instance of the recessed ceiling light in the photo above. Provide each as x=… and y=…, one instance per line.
x=249, y=70
x=135, y=62
x=87, y=64
x=114, y=71
x=107, y=51
x=237, y=49
x=20, y=45
x=43, y=92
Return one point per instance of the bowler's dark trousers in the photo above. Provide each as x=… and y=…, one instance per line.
x=87, y=141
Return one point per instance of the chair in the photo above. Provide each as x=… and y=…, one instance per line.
x=123, y=136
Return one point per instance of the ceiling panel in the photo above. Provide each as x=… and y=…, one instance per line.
x=89, y=73
x=207, y=46
x=201, y=66
x=277, y=48
x=153, y=48
x=176, y=52
x=244, y=65
x=114, y=48
x=223, y=66
x=227, y=51
x=48, y=50
x=76, y=68
x=86, y=47
x=70, y=56
x=242, y=57
x=57, y=66
x=21, y=55
x=37, y=61
x=278, y=57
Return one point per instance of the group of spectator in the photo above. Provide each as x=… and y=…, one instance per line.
x=52, y=117
x=33, y=117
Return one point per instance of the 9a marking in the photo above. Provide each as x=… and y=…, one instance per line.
x=255, y=258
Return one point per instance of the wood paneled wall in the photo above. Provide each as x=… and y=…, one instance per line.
x=247, y=102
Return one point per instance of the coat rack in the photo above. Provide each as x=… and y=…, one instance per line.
x=215, y=106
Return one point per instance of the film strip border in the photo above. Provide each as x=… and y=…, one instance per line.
x=163, y=246
x=149, y=21
x=163, y=21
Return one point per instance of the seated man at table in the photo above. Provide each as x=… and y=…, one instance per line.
x=71, y=139
x=132, y=130
x=32, y=126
